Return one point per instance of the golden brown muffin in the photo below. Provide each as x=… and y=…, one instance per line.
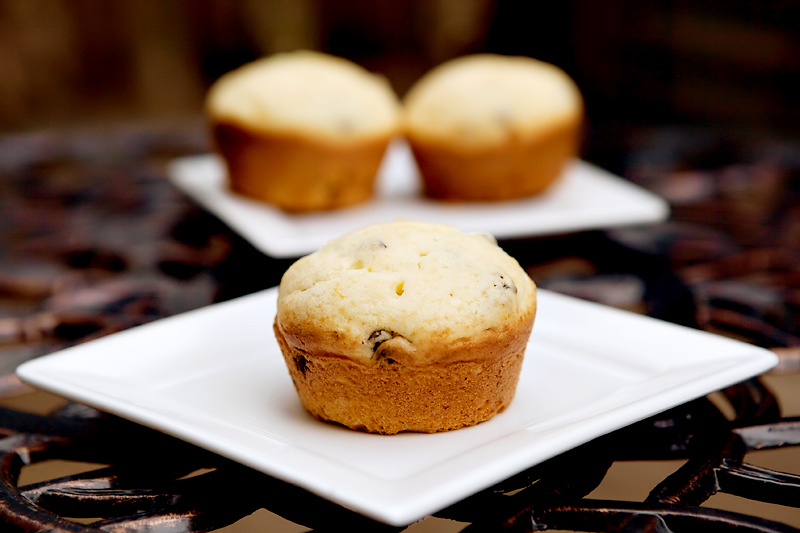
x=488, y=127
x=304, y=131
x=405, y=326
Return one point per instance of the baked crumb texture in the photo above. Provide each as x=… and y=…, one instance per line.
x=388, y=397
x=487, y=127
x=304, y=131
x=405, y=326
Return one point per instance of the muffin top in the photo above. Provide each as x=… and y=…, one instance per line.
x=306, y=93
x=488, y=99
x=413, y=285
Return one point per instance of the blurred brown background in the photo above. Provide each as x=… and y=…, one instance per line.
x=720, y=63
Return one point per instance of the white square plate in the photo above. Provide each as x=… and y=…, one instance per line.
x=585, y=197
x=215, y=377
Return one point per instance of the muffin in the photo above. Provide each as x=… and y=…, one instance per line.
x=487, y=127
x=304, y=131
x=405, y=326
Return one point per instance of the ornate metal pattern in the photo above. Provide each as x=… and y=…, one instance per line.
x=94, y=240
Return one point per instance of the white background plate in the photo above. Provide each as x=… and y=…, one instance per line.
x=585, y=197
x=215, y=377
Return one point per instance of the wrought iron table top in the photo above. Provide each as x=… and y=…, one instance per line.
x=94, y=239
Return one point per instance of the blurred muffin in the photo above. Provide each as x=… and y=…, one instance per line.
x=304, y=131
x=487, y=127
x=405, y=326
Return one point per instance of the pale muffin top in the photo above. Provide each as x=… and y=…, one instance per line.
x=488, y=99
x=307, y=93
x=429, y=284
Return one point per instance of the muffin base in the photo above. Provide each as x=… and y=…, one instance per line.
x=518, y=168
x=298, y=174
x=388, y=397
